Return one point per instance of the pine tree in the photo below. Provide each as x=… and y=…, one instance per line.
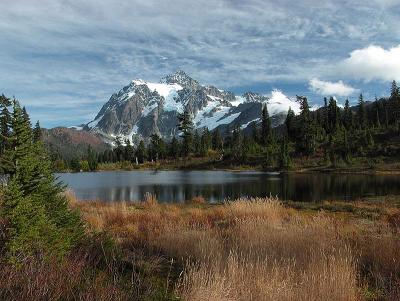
x=284, y=159
x=196, y=142
x=92, y=158
x=217, y=142
x=237, y=140
x=185, y=125
x=362, y=113
x=333, y=115
x=174, y=148
x=5, y=123
x=347, y=116
x=141, y=152
x=40, y=218
x=128, y=151
x=266, y=131
x=37, y=132
x=289, y=122
x=205, y=142
x=394, y=91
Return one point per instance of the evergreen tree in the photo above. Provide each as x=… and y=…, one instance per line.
x=174, y=148
x=237, y=140
x=92, y=158
x=255, y=132
x=157, y=149
x=119, y=149
x=306, y=141
x=141, y=152
x=289, y=122
x=333, y=115
x=205, y=142
x=266, y=131
x=39, y=216
x=37, y=132
x=394, y=91
x=362, y=113
x=128, y=151
x=196, y=142
x=284, y=159
x=185, y=125
x=5, y=123
x=347, y=116
x=217, y=142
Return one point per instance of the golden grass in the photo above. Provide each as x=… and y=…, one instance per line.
x=257, y=249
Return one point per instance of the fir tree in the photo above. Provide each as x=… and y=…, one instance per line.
x=394, y=91
x=5, y=123
x=362, y=113
x=141, y=152
x=284, y=159
x=289, y=122
x=37, y=132
x=128, y=151
x=347, y=116
x=174, y=148
x=92, y=158
x=185, y=125
x=217, y=142
x=33, y=204
x=266, y=131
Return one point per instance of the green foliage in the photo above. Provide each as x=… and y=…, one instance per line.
x=185, y=125
x=39, y=217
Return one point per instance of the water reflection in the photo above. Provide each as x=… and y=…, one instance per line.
x=177, y=186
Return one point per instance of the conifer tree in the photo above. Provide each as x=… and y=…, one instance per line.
x=289, y=122
x=141, y=152
x=185, y=125
x=266, y=131
x=128, y=151
x=347, y=116
x=174, y=148
x=38, y=213
x=5, y=123
x=284, y=159
x=394, y=91
x=217, y=141
x=37, y=132
x=92, y=158
x=362, y=113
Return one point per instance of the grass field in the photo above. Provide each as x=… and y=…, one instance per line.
x=248, y=249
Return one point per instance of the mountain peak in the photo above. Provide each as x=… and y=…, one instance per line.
x=181, y=78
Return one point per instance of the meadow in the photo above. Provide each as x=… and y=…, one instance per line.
x=247, y=249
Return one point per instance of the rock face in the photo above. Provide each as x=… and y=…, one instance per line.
x=143, y=108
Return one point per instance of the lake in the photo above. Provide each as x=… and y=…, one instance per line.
x=178, y=186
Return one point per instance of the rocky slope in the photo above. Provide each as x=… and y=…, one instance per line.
x=143, y=108
x=69, y=143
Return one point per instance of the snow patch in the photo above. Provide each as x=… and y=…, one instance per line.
x=243, y=126
x=280, y=103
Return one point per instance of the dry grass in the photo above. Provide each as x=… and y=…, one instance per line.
x=257, y=249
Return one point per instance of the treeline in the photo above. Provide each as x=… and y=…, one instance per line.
x=336, y=134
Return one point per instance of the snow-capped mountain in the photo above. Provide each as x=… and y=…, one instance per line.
x=143, y=108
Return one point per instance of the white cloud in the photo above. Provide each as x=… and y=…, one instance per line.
x=327, y=88
x=372, y=63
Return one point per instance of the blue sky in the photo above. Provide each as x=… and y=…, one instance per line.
x=64, y=58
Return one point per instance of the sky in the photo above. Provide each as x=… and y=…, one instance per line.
x=64, y=58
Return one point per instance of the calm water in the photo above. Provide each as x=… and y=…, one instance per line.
x=178, y=186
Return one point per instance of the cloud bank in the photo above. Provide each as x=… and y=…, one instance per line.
x=373, y=63
x=326, y=88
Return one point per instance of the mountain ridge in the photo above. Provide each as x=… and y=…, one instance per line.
x=143, y=108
